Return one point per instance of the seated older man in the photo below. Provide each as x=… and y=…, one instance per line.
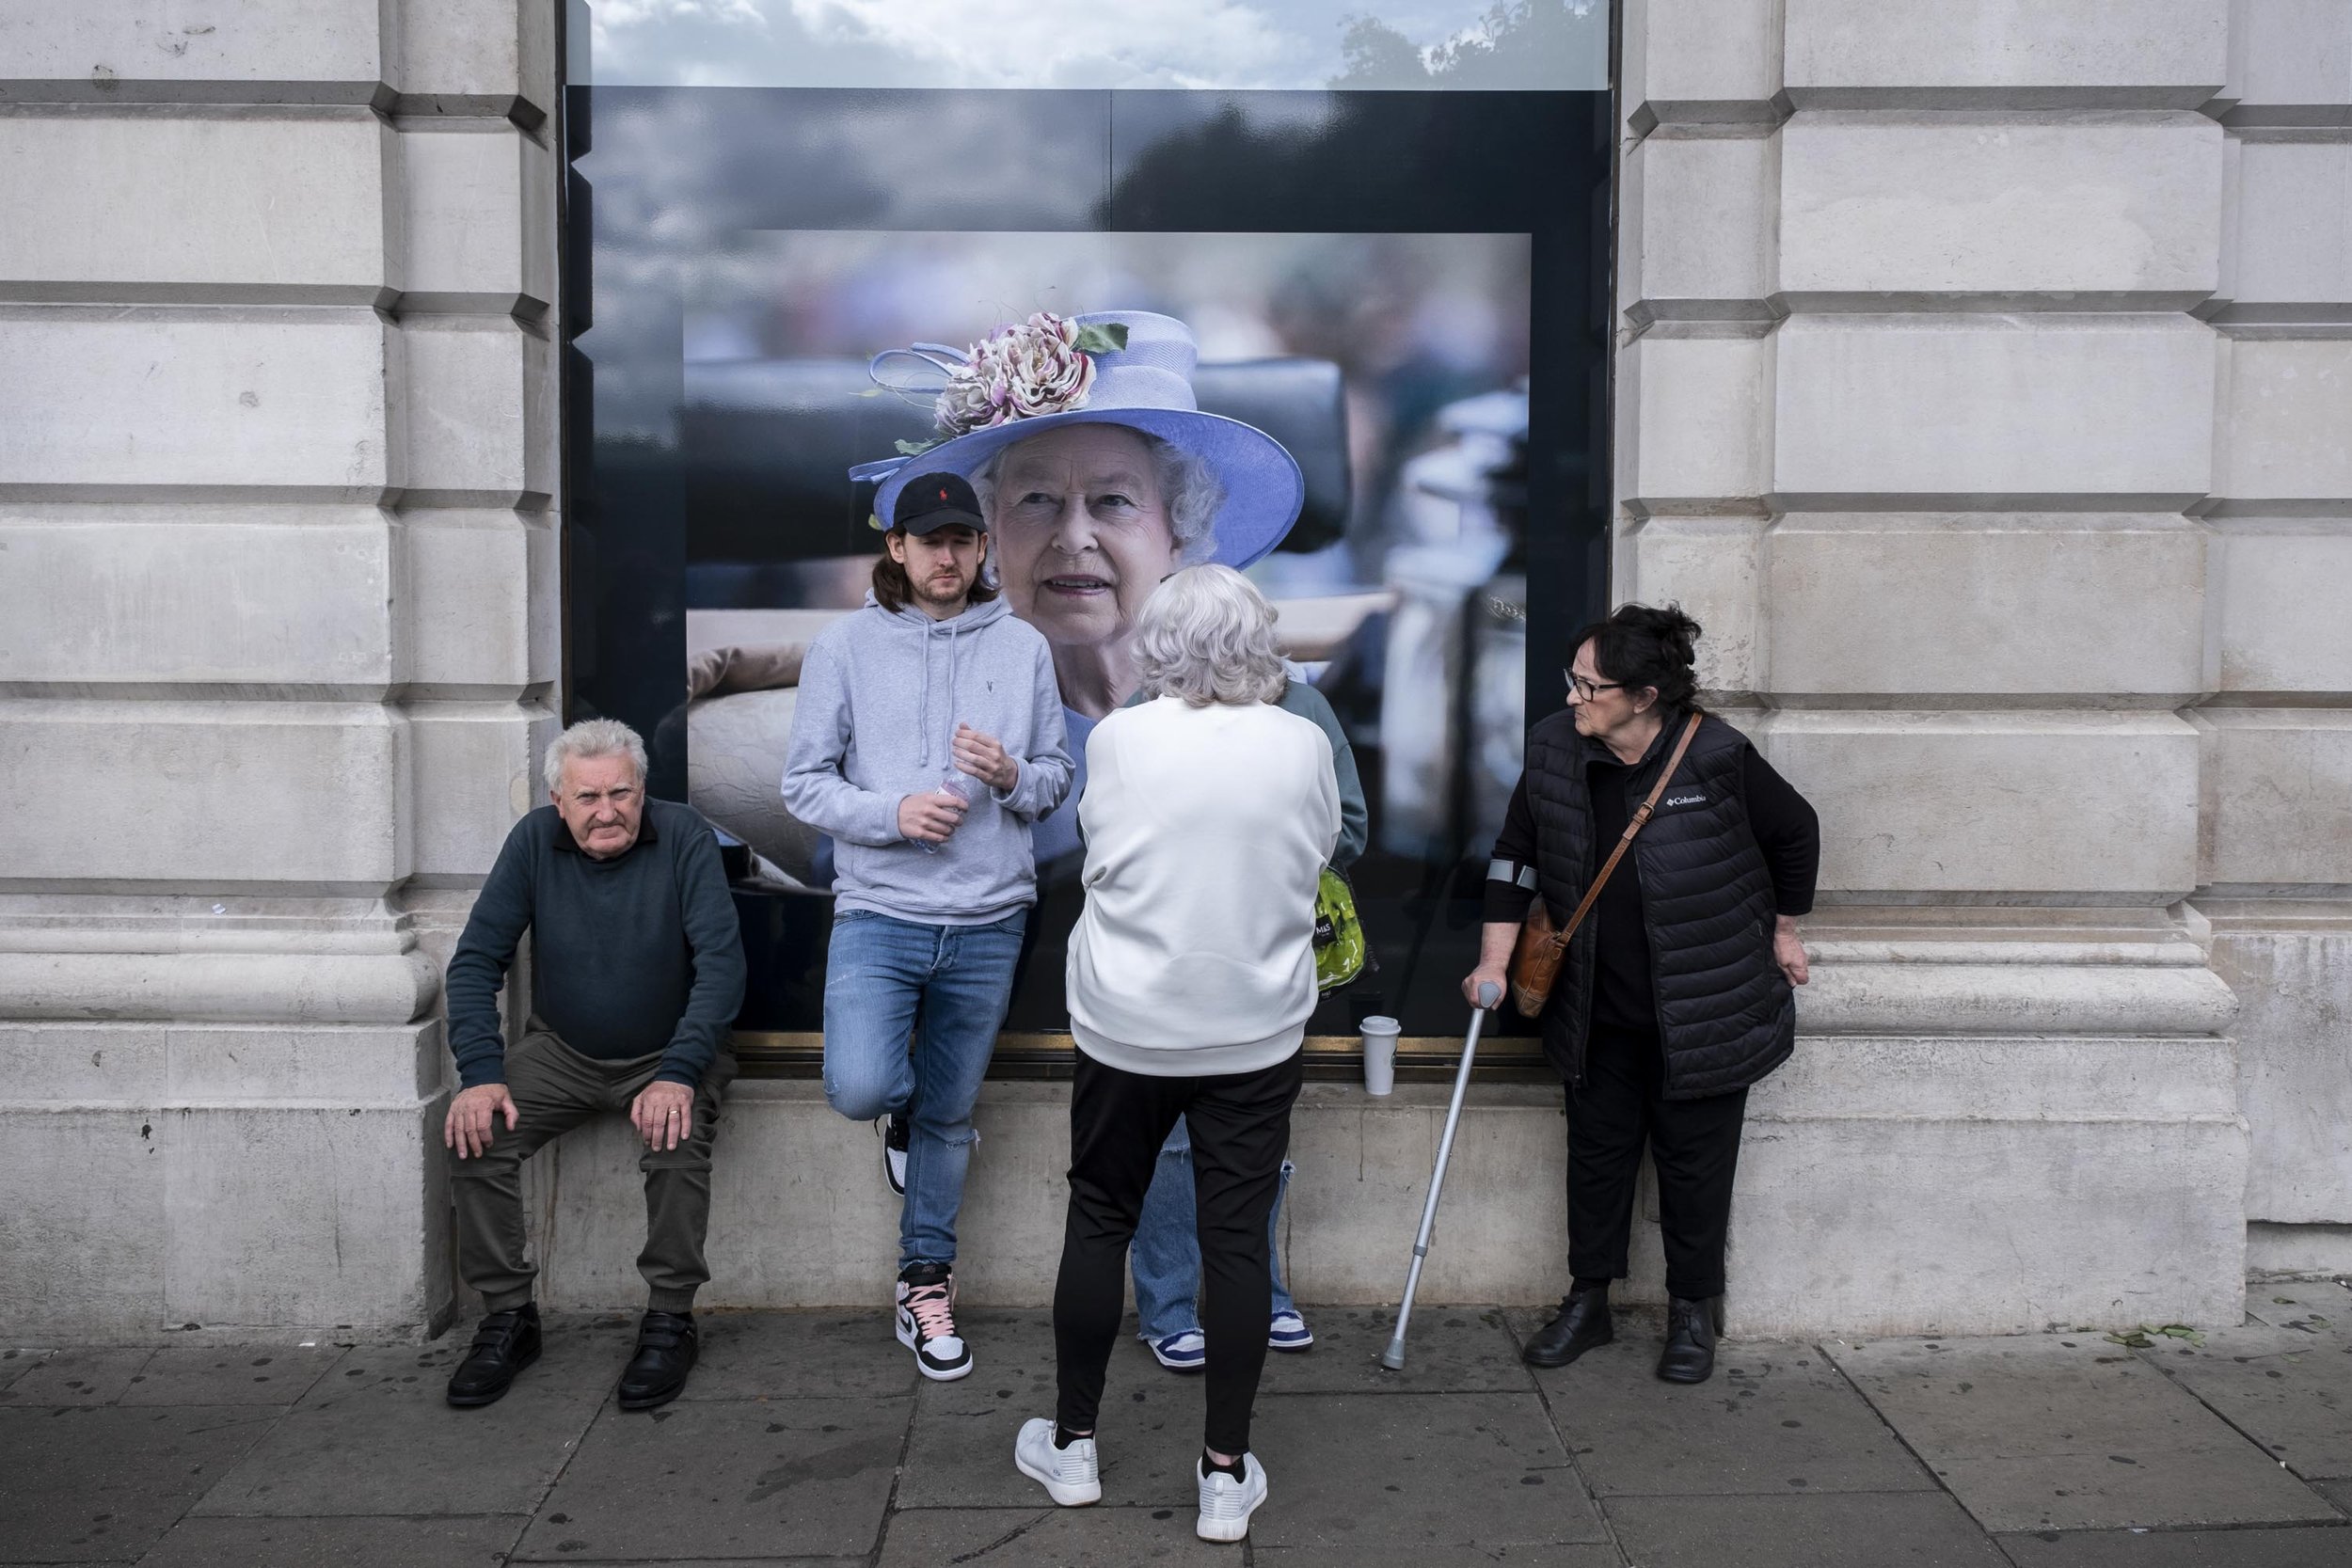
x=636, y=973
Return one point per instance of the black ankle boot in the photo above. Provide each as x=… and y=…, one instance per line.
x=1690, y=1353
x=1583, y=1322
x=667, y=1344
x=503, y=1345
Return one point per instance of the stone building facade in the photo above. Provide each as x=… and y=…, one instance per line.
x=1984, y=384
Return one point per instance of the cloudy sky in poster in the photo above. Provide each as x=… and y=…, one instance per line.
x=1193, y=44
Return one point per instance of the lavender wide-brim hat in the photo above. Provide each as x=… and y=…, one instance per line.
x=1146, y=385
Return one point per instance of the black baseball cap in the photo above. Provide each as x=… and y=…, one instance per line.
x=937, y=501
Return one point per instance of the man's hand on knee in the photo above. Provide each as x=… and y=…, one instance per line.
x=663, y=1114
x=474, y=1114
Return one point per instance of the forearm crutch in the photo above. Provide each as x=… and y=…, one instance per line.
x=1489, y=996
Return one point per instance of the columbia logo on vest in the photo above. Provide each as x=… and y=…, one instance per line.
x=1684, y=801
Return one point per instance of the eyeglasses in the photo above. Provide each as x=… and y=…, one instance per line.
x=1586, y=690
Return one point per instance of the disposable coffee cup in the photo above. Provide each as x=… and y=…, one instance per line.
x=1379, y=1054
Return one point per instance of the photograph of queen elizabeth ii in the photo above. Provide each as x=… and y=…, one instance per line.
x=1340, y=416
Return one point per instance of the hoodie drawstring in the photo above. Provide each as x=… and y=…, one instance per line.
x=923, y=719
x=955, y=630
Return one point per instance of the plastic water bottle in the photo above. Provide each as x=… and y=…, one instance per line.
x=964, y=786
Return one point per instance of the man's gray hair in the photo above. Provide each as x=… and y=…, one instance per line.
x=1207, y=635
x=595, y=737
x=1189, y=490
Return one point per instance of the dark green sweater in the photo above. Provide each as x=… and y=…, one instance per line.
x=629, y=956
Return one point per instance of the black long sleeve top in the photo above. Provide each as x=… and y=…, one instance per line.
x=629, y=956
x=1787, y=832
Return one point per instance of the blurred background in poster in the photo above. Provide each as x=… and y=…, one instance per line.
x=1393, y=366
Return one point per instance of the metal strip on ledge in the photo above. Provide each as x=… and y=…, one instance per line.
x=1420, y=1058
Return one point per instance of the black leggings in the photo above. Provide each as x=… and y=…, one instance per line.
x=1694, y=1145
x=1241, y=1130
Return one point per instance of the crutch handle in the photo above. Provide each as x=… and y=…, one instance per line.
x=1490, y=995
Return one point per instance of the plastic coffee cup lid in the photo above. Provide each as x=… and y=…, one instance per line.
x=1379, y=1026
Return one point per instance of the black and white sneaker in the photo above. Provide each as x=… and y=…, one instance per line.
x=893, y=1131
x=927, y=1321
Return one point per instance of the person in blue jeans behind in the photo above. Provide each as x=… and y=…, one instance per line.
x=1165, y=1255
x=927, y=740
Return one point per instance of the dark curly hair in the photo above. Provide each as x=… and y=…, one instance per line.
x=1643, y=645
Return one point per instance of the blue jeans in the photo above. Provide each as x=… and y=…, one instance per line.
x=945, y=987
x=1166, y=1253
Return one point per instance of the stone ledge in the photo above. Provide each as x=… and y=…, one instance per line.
x=2041, y=1233
x=218, y=987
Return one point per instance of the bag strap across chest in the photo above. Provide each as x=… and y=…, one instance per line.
x=1535, y=962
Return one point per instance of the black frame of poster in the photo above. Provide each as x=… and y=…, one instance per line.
x=1539, y=164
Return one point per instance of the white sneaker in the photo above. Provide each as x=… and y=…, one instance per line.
x=927, y=1321
x=1187, y=1351
x=1070, y=1475
x=895, y=1130
x=1226, y=1504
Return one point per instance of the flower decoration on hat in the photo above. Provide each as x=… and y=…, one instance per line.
x=1044, y=365
x=1127, y=368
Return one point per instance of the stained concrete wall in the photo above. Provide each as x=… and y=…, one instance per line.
x=1982, y=386
x=277, y=633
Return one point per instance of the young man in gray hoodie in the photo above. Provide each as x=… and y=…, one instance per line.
x=927, y=740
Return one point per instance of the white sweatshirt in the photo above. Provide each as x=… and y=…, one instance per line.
x=1206, y=830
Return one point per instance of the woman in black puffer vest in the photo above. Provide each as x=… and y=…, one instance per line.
x=1676, y=995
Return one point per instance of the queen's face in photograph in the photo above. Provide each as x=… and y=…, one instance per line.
x=1083, y=531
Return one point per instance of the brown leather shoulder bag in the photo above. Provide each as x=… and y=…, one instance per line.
x=1542, y=946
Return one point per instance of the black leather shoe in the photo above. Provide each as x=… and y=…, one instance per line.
x=503, y=1345
x=1690, y=1353
x=667, y=1344
x=1583, y=1322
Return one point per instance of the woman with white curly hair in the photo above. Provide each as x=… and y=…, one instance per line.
x=1208, y=820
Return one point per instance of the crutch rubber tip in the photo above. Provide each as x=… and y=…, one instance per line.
x=1394, y=1357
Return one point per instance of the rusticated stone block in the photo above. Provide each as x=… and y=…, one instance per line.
x=476, y=771
x=2278, y=589
x=1693, y=425
x=2069, y=410
x=200, y=595
x=136, y=207
x=1711, y=566
x=2278, y=796
x=295, y=51
x=2285, y=408
x=1701, y=61
x=290, y=406
x=2291, y=62
x=474, y=57
x=2293, y=966
x=1966, y=604
x=238, y=793
x=305, y=1215
x=482, y=425
x=478, y=603
x=1695, y=228
x=2126, y=207
x=2016, y=54
x=480, y=220
x=2021, y=803
x=2290, y=249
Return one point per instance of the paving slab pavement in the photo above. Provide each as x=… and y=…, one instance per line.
x=725, y=1477
x=2204, y=1548
x=2069, y=1431
x=312, y=1542
x=1774, y=1418
x=90, y=1483
x=1851, y=1529
x=2288, y=1390
x=807, y=1441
